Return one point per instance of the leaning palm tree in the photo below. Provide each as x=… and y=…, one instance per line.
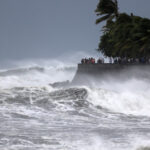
x=108, y=9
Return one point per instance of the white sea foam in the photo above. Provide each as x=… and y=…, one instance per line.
x=131, y=96
x=139, y=143
x=97, y=143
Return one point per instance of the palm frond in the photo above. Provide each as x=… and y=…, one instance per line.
x=99, y=20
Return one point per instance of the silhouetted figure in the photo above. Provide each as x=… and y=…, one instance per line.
x=110, y=60
x=115, y=61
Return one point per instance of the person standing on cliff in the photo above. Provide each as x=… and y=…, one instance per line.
x=110, y=60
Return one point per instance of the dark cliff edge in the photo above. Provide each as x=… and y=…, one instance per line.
x=97, y=72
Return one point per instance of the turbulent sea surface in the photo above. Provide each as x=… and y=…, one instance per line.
x=111, y=115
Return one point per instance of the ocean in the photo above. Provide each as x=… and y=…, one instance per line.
x=110, y=115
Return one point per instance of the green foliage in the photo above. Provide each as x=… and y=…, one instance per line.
x=126, y=36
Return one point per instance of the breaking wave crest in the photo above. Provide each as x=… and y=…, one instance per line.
x=127, y=102
x=43, y=96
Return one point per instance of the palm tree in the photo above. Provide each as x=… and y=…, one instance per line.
x=108, y=9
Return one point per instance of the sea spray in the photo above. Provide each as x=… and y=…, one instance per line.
x=129, y=97
x=36, y=74
x=109, y=114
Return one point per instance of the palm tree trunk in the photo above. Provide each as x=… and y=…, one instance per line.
x=117, y=12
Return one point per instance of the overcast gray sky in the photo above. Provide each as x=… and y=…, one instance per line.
x=48, y=28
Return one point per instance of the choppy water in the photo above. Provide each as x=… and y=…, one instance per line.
x=113, y=115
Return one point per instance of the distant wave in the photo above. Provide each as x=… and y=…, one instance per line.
x=31, y=75
x=19, y=71
x=69, y=68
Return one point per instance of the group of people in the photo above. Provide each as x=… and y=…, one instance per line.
x=125, y=60
x=88, y=61
x=91, y=61
x=117, y=60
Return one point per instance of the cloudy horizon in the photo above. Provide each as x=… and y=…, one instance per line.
x=50, y=28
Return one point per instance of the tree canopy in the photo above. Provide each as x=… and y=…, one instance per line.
x=126, y=36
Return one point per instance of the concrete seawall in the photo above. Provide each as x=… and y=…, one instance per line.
x=87, y=72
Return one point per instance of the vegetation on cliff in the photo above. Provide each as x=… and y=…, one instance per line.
x=123, y=35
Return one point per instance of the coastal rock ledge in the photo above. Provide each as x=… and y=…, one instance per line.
x=89, y=72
